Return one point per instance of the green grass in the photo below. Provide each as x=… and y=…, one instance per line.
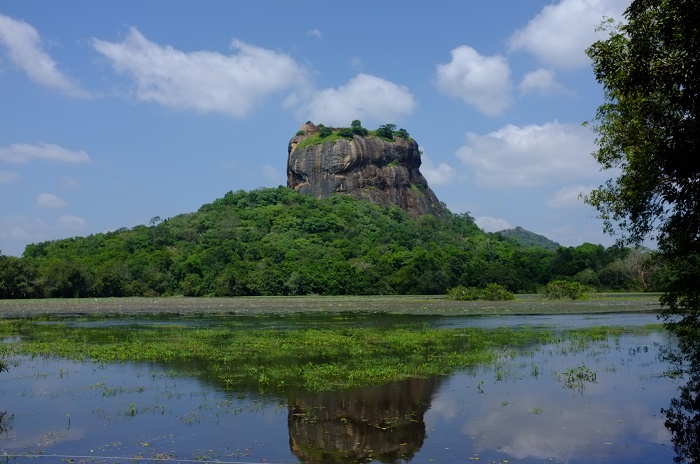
x=278, y=360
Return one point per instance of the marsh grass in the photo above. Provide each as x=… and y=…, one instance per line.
x=279, y=360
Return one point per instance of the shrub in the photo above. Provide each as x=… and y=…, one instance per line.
x=346, y=132
x=324, y=131
x=356, y=127
x=564, y=289
x=462, y=293
x=492, y=292
x=403, y=133
x=300, y=132
x=386, y=131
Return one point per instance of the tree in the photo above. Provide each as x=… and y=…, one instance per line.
x=386, y=131
x=648, y=128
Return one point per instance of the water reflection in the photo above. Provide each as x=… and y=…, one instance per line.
x=384, y=423
x=683, y=413
x=5, y=422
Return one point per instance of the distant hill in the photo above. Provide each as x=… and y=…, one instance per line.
x=529, y=239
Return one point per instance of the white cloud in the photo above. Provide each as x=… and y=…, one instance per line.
x=71, y=222
x=528, y=156
x=202, y=80
x=49, y=200
x=270, y=173
x=559, y=35
x=481, y=81
x=442, y=174
x=24, y=152
x=492, y=224
x=315, y=33
x=25, y=51
x=6, y=177
x=20, y=227
x=356, y=63
x=363, y=97
x=23, y=229
x=569, y=197
x=69, y=183
x=542, y=82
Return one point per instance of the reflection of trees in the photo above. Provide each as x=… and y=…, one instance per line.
x=683, y=414
x=384, y=423
x=5, y=422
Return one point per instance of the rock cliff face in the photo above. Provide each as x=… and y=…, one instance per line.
x=369, y=168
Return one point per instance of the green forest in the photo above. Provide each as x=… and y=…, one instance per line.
x=275, y=241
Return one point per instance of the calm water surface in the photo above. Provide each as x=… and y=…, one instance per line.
x=520, y=410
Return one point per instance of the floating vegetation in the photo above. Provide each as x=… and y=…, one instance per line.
x=577, y=377
x=312, y=359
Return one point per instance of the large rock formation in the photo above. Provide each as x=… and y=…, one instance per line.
x=364, y=167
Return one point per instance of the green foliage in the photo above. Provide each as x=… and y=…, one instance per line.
x=300, y=132
x=565, y=289
x=648, y=128
x=357, y=128
x=386, y=131
x=346, y=132
x=492, y=292
x=403, y=133
x=279, y=242
x=301, y=359
x=324, y=131
x=529, y=239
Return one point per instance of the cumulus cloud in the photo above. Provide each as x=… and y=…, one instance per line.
x=25, y=50
x=6, y=177
x=527, y=156
x=542, y=82
x=492, y=224
x=69, y=222
x=69, y=183
x=315, y=33
x=440, y=174
x=568, y=197
x=17, y=230
x=24, y=152
x=49, y=200
x=559, y=35
x=202, y=80
x=270, y=173
x=363, y=97
x=481, y=81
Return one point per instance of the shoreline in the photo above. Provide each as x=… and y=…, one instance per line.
x=426, y=305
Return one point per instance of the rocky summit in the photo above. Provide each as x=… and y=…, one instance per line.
x=363, y=166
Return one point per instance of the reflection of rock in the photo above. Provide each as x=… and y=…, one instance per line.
x=383, y=423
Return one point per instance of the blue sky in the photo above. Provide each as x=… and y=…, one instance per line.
x=114, y=112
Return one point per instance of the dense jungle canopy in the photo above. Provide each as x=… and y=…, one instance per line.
x=275, y=241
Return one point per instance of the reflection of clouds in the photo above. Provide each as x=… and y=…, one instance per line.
x=443, y=407
x=523, y=417
x=559, y=431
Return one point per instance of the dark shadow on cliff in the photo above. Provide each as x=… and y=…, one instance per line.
x=382, y=423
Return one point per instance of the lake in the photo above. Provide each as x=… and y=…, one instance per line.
x=569, y=401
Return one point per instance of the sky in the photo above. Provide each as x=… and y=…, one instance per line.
x=116, y=112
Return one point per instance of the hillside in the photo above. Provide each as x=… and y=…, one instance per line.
x=529, y=239
x=280, y=242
